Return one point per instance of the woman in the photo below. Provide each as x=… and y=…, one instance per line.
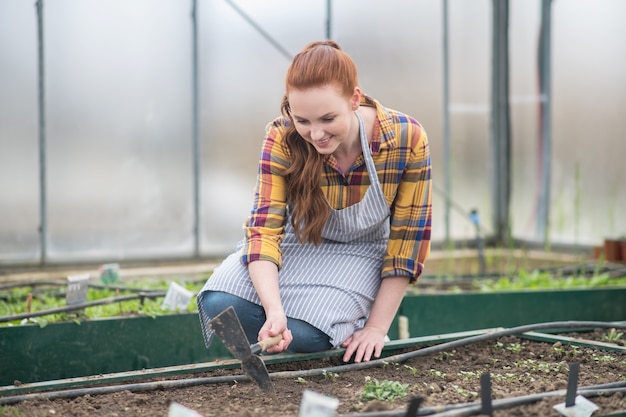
x=341, y=218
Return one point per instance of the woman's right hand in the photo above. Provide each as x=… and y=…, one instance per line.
x=276, y=324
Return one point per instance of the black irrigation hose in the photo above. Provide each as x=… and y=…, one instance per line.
x=183, y=383
x=75, y=307
x=12, y=285
x=455, y=343
x=138, y=387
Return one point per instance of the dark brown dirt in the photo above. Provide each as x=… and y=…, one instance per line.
x=517, y=367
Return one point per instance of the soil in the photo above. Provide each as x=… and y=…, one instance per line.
x=517, y=367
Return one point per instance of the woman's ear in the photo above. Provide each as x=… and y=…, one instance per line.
x=355, y=100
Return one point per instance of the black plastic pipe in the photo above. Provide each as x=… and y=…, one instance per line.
x=82, y=306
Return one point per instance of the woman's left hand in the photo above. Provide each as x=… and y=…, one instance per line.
x=363, y=343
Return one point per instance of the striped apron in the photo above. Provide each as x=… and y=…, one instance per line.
x=331, y=286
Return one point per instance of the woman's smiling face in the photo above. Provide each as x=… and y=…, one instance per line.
x=324, y=117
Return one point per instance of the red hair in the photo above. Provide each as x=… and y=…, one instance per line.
x=318, y=64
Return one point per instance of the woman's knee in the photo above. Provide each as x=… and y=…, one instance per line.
x=307, y=338
x=214, y=302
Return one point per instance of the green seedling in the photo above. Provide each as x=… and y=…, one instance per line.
x=443, y=356
x=437, y=374
x=413, y=370
x=602, y=358
x=383, y=390
x=507, y=377
x=612, y=336
x=464, y=392
x=468, y=375
x=514, y=347
x=300, y=380
x=330, y=375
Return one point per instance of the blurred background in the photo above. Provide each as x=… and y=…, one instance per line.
x=131, y=129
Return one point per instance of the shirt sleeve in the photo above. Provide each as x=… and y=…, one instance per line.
x=411, y=214
x=265, y=227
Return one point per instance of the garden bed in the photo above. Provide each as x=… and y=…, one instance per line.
x=517, y=366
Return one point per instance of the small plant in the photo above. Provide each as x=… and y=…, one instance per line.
x=330, y=375
x=383, y=390
x=443, y=356
x=413, y=370
x=464, y=392
x=612, y=336
x=468, y=375
x=437, y=374
x=602, y=358
x=301, y=380
x=514, y=347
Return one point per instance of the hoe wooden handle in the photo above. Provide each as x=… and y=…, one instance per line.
x=265, y=344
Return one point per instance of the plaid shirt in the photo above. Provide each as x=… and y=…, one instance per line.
x=402, y=157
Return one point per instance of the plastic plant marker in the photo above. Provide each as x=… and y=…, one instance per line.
x=485, y=394
x=176, y=298
x=110, y=273
x=317, y=405
x=414, y=407
x=77, y=286
x=177, y=410
x=575, y=406
x=582, y=408
x=572, y=384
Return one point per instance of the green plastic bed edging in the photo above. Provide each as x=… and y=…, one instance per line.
x=31, y=354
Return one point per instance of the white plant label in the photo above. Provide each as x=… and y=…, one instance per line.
x=582, y=408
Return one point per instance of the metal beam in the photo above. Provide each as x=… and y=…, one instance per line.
x=196, y=130
x=447, y=156
x=545, y=123
x=43, y=215
x=500, y=122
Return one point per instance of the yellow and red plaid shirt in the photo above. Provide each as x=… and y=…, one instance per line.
x=402, y=157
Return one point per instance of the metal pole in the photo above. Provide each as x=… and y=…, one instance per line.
x=500, y=134
x=328, y=18
x=196, y=130
x=446, y=125
x=259, y=29
x=543, y=210
x=43, y=224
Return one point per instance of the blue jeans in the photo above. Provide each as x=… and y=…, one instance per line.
x=306, y=338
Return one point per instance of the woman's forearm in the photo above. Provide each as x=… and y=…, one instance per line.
x=387, y=302
x=264, y=276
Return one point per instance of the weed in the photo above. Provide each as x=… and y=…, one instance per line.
x=301, y=380
x=383, y=390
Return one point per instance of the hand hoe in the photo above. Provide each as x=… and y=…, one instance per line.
x=227, y=327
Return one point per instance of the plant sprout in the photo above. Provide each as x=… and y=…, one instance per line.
x=383, y=390
x=613, y=336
